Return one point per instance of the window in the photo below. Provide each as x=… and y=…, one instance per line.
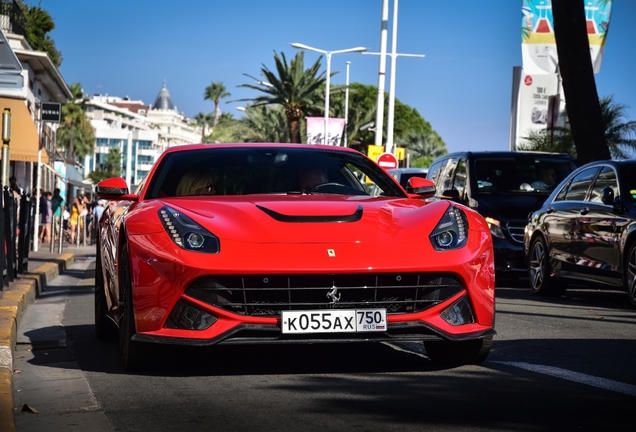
x=459, y=182
x=580, y=184
x=446, y=179
x=607, y=178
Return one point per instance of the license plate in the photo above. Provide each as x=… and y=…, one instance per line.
x=334, y=321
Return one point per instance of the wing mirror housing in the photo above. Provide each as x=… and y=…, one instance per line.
x=423, y=188
x=607, y=196
x=451, y=194
x=114, y=189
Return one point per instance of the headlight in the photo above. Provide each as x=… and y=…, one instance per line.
x=495, y=227
x=452, y=230
x=186, y=233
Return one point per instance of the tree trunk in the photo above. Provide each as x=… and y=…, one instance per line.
x=294, y=129
x=579, y=86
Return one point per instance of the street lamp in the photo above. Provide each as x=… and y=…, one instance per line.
x=327, y=54
x=388, y=147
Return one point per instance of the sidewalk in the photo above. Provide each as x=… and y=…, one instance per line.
x=44, y=266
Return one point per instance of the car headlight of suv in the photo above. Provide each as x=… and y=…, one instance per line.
x=186, y=233
x=495, y=227
x=452, y=230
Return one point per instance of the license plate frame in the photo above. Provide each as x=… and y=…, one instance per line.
x=333, y=321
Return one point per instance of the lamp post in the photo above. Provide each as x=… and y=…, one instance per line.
x=388, y=148
x=346, y=104
x=327, y=54
x=6, y=138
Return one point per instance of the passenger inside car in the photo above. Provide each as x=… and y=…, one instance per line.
x=547, y=179
x=200, y=181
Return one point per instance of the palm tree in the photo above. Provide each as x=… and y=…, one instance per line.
x=76, y=134
x=422, y=148
x=215, y=92
x=202, y=119
x=620, y=134
x=111, y=167
x=291, y=86
x=265, y=124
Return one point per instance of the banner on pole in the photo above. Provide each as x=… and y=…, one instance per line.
x=538, y=45
x=316, y=130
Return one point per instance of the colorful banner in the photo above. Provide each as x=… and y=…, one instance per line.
x=532, y=96
x=538, y=45
x=316, y=130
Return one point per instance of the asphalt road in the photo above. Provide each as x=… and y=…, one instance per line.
x=564, y=364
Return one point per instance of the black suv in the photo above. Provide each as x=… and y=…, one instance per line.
x=504, y=187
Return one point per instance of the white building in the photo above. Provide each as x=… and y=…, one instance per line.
x=141, y=132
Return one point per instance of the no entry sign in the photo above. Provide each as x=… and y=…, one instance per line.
x=387, y=161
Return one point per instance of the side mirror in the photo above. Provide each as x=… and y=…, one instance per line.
x=451, y=194
x=114, y=189
x=607, y=196
x=423, y=188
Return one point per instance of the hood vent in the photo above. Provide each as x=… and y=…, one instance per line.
x=354, y=217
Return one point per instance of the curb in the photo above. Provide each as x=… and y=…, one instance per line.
x=13, y=301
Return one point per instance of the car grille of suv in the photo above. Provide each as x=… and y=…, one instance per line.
x=268, y=295
x=516, y=230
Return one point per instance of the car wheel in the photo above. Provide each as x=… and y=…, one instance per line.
x=131, y=353
x=105, y=329
x=541, y=282
x=630, y=274
x=458, y=353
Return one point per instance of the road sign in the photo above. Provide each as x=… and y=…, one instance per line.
x=387, y=161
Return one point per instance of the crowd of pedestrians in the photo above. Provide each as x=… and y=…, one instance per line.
x=78, y=223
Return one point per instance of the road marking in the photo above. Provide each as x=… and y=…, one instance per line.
x=590, y=380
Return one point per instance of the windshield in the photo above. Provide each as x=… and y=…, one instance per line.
x=520, y=173
x=268, y=170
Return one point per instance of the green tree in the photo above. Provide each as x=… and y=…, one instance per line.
x=291, y=86
x=618, y=131
x=422, y=148
x=75, y=135
x=38, y=24
x=111, y=167
x=204, y=120
x=362, y=110
x=265, y=124
x=582, y=102
x=215, y=92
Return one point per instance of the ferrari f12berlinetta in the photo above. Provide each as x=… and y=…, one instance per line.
x=289, y=243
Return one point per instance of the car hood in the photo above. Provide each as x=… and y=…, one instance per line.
x=315, y=219
x=508, y=207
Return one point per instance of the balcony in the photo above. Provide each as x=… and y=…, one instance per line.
x=12, y=20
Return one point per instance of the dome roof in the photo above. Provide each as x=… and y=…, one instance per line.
x=163, y=100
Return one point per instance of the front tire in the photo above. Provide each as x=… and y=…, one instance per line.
x=630, y=274
x=541, y=282
x=132, y=354
x=458, y=353
x=105, y=329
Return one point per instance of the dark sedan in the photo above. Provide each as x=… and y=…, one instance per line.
x=585, y=232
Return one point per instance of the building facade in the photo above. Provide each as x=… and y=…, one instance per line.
x=141, y=132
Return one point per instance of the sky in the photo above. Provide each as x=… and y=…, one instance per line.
x=462, y=87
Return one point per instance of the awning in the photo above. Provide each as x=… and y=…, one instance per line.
x=23, y=146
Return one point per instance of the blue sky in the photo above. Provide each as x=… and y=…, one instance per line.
x=462, y=86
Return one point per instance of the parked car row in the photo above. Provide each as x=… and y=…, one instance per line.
x=549, y=220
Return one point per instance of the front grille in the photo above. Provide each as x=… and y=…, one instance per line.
x=516, y=231
x=268, y=295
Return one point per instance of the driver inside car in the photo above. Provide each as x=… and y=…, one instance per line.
x=311, y=177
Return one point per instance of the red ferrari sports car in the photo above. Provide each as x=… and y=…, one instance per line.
x=289, y=243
